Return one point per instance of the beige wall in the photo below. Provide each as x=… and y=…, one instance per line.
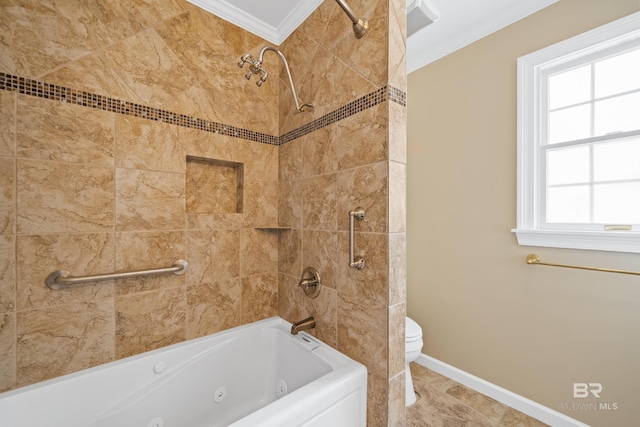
x=96, y=190
x=533, y=330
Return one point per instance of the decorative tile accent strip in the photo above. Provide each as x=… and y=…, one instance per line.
x=372, y=99
x=63, y=94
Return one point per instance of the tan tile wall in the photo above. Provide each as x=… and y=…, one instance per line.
x=357, y=161
x=94, y=191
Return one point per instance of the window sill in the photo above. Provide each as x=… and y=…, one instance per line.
x=614, y=241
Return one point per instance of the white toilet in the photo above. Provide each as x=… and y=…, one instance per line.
x=412, y=348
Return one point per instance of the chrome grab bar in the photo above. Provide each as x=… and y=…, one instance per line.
x=63, y=279
x=353, y=261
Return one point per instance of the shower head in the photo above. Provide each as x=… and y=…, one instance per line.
x=360, y=25
x=255, y=67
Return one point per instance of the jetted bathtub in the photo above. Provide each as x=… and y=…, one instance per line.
x=257, y=375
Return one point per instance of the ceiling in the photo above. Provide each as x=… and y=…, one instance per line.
x=452, y=24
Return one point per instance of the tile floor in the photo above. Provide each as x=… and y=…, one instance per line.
x=443, y=402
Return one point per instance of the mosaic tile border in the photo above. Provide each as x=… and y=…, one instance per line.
x=40, y=89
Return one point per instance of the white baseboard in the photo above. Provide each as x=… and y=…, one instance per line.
x=517, y=402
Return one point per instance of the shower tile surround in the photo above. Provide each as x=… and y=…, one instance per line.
x=111, y=143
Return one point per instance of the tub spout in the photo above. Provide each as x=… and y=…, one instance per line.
x=303, y=325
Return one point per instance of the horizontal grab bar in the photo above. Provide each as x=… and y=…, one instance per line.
x=62, y=279
x=535, y=259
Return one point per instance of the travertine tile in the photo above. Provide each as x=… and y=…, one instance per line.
x=58, y=340
x=370, y=285
x=93, y=73
x=82, y=254
x=7, y=274
x=7, y=351
x=397, y=268
x=259, y=297
x=319, y=195
x=397, y=70
x=362, y=333
x=290, y=204
x=397, y=411
x=259, y=249
x=363, y=137
x=193, y=36
x=260, y=203
x=147, y=250
x=213, y=307
x=397, y=352
x=7, y=195
x=377, y=401
x=64, y=197
x=397, y=197
x=213, y=255
x=488, y=407
x=290, y=250
x=320, y=251
x=145, y=144
x=319, y=151
x=290, y=160
x=368, y=55
x=366, y=187
x=53, y=130
x=149, y=200
x=436, y=406
x=316, y=24
x=290, y=298
x=8, y=120
x=214, y=187
x=512, y=417
x=147, y=65
x=397, y=133
x=37, y=37
x=209, y=145
x=260, y=161
x=149, y=320
x=209, y=221
x=324, y=308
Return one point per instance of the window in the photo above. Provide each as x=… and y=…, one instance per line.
x=579, y=141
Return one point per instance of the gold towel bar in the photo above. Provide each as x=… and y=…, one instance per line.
x=535, y=259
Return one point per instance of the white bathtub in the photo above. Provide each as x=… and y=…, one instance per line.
x=256, y=375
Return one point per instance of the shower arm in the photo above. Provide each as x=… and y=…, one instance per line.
x=299, y=107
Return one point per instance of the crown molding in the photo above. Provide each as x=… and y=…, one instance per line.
x=287, y=19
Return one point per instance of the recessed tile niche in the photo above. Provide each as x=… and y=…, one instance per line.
x=214, y=186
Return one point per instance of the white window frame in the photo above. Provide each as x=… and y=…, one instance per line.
x=530, y=70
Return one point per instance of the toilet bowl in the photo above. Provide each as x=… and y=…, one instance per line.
x=413, y=348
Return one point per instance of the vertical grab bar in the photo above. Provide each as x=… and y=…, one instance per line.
x=353, y=261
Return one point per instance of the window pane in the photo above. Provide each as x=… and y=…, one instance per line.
x=618, y=74
x=617, y=203
x=569, y=165
x=619, y=114
x=568, y=204
x=570, y=87
x=617, y=160
x=569, y=124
